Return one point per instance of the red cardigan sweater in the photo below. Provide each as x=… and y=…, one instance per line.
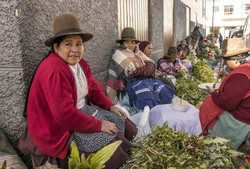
x=52, y=112
x=233, y=96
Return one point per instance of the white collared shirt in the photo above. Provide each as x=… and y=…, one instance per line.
x=81, y=84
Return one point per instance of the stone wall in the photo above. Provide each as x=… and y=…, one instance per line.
x=12, y=85
x=25, y=25
x=179, y=21
x=156, y=28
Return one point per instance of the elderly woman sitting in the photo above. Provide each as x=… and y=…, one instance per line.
x=146, y=47
x=132, y=72
x=136, y=88
x=226, y=113
x=170, y=64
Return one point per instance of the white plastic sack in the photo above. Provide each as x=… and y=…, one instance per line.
x=187, y=121
x=140, y=119
x=142, y=122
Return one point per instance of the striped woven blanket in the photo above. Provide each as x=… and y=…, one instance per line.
x=123, y=64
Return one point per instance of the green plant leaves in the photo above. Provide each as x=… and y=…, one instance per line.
x=202, y=72
x=167, y=148
x=94, y=161
x=104, y=155
x=74, y=159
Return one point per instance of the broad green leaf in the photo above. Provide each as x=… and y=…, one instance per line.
x=74, y=151
x=74, y=159
x=85, y=164
x=89, y=157
x=100, y=166
x=72, y=163
x=104, y=154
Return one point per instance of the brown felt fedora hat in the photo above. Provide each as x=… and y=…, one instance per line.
x=67, y=24
x=183, y=42
x=128, y=33
x=172, y=52
x=195, y=35
x=233, y=46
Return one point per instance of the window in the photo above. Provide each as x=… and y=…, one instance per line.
x=133, y=13
x=228, y=10
x=216, y=9
x=247, y=8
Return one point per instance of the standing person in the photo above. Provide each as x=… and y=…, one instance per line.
x=226, y=113
x=220, y=38
x=146, y=47
x=66, y=104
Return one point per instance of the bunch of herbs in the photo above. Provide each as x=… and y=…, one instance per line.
x=168, y=148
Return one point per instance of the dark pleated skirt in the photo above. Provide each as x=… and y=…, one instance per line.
x=117, y=159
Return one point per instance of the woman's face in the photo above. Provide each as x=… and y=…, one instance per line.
x=194, y=40
x=179, y=54
x=130, y=44
x=172, y=59
x=183, y=46
x=204, y=44
x=232, y=64
x=148, y=50
x=70, y=49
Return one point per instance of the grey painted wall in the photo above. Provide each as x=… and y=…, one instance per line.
x=156, y=28
x=179, y=21
x=12, y=85
x=22, y=47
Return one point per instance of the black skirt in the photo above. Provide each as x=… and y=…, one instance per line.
x=41, y=160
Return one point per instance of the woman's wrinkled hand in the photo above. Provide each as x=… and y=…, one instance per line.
x=209, y=89
x=222, y=75
x=158, y=74
x=109, y=127
x=118, y=111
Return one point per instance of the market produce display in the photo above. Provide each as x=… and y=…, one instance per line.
x=167, y=148
x=203, y=54
x=182, y=74
x=202, y=72
x=189, y=90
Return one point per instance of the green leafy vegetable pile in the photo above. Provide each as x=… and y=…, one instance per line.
x=167, y=148
x=202, y=72
x=203, y=54
x=190, y=91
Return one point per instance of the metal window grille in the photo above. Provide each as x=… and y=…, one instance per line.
x=247, y=8
x=228, y=10
x=133, y=13
x=216, y=9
